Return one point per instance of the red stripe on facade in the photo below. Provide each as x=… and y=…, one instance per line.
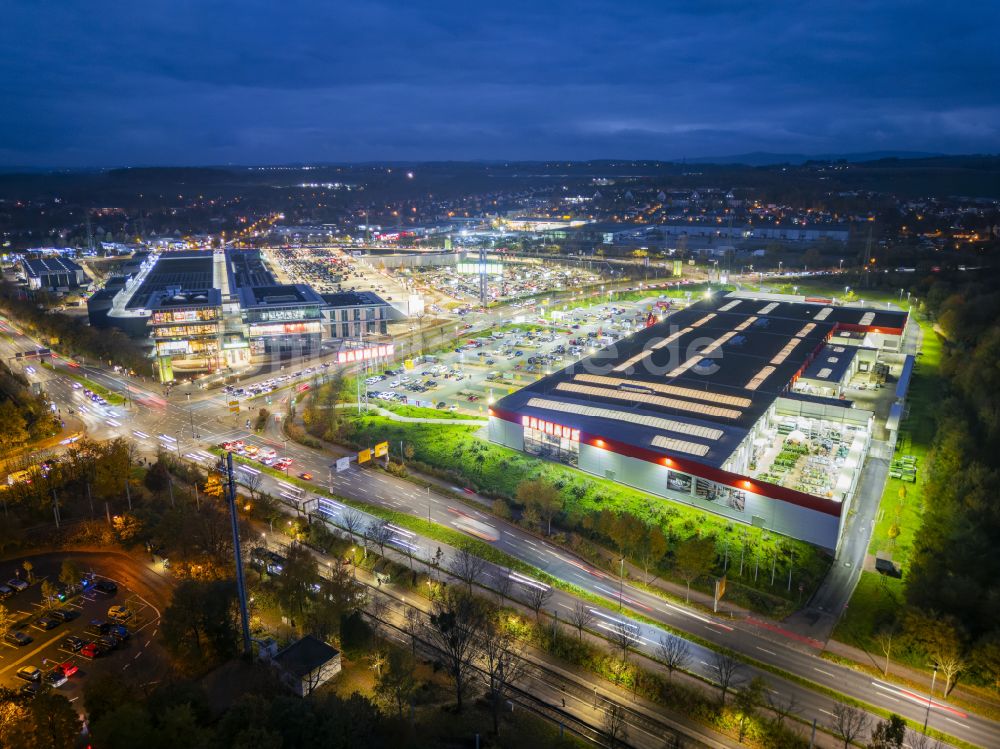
x=700, y=470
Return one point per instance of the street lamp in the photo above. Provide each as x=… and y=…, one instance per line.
x=930, y=699
x=621, y=585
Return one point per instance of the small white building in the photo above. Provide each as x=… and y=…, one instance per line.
x=307, y=664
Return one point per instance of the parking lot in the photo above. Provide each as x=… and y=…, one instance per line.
x=100, y=625
x=485, y=366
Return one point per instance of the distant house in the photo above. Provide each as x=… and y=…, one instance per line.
x=307, y=664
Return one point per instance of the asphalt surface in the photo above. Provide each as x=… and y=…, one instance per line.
x=140, y=588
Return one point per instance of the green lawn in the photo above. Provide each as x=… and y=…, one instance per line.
x=418, y=412
x=457, y=453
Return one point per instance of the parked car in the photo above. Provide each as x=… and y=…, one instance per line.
x=72, y=643
x=31, y=690
x=17, y=637
x=107, y=587
x=18, y=584
x=65, y=615
x=91, y=650
x=119, y=613
x=45, y=623
x=97, y=628
x=29, y=673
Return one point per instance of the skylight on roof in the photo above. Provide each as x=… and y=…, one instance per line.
x=653, y=400
x=647, y=420
x=767, y=309
x=823, y=313
x=704, y=395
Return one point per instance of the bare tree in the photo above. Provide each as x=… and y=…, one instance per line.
x=502, y=666
x=615, y=725
x=502, y=583
x=675, y=652
x=917, y=740
x=468, y=567
x=728, y=668
x=454, y=629
x=782, y=707
x=849, y=723
x=581, y=616
x=252, y=483
x=380, y=533
x=536, y=596
x=884, y=641
x=412, y=626
x=951, y=663
x=352, y=521
x=378, y=609
x=623, y=636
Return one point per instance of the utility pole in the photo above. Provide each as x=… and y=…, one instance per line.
x=241, y=590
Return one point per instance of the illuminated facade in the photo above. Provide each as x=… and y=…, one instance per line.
x=703, y=409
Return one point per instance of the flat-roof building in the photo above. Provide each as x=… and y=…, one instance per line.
x=354, y=314
x=53, y=273
x=699, y=409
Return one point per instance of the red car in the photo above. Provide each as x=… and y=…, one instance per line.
x=91, y=650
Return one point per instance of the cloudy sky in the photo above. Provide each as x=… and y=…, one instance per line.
x=105, y=82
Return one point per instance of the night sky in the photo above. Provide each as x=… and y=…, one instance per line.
x=102, y=83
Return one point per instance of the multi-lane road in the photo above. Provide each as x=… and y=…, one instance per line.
x=156, y=422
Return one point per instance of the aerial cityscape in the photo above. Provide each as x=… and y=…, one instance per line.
x=535, y=375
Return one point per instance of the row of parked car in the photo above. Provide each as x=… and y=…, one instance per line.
x=102, y=636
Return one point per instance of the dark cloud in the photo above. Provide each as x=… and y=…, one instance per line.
x=197, y=81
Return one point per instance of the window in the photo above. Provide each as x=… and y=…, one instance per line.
x=551, y=445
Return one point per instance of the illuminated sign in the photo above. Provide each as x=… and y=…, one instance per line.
x=381, y=449
x=365, y=354
x=288, y=328
x=556, y=430
x=167, y=348
x=364, y=456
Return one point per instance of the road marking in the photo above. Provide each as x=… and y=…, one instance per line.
x=825, y=673
x=955, y=722
x=765, y=650
x=827, y=712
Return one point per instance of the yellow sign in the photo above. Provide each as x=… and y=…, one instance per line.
x=364, y=456
x=408, y=363
x=381, y=449
x=720, y=588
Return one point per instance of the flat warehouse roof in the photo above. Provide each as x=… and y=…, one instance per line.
x=831, y=363
x=188, y=271
x=694, y=384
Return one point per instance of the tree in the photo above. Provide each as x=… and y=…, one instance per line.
x=782, y=708
x=6, y=618
x=199, y=624
x=623, y=636
x=502, y=583
x=728, y=669
x=537, y=596
x=888, y=734
x=454, y=629
x=252, y=482
x=695, y=557
x=746, y=702
x=849, y=723
x=213, y=486
x=50, y=594
x=105, y=693
x=615, y=725
x=675, y=652
x=581, y=616
x=352, y=521
x=468, y=567
x=652, y=547
x=380, y=534
x=884, y=640
x=396, y=681
x=542, y=497
x=502, y=666
x=298, y=574
x=47, y=721
x=157, y=478
x=624, y=529
x=29, y=570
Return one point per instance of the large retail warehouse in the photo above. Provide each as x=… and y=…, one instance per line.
x=707, y=408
